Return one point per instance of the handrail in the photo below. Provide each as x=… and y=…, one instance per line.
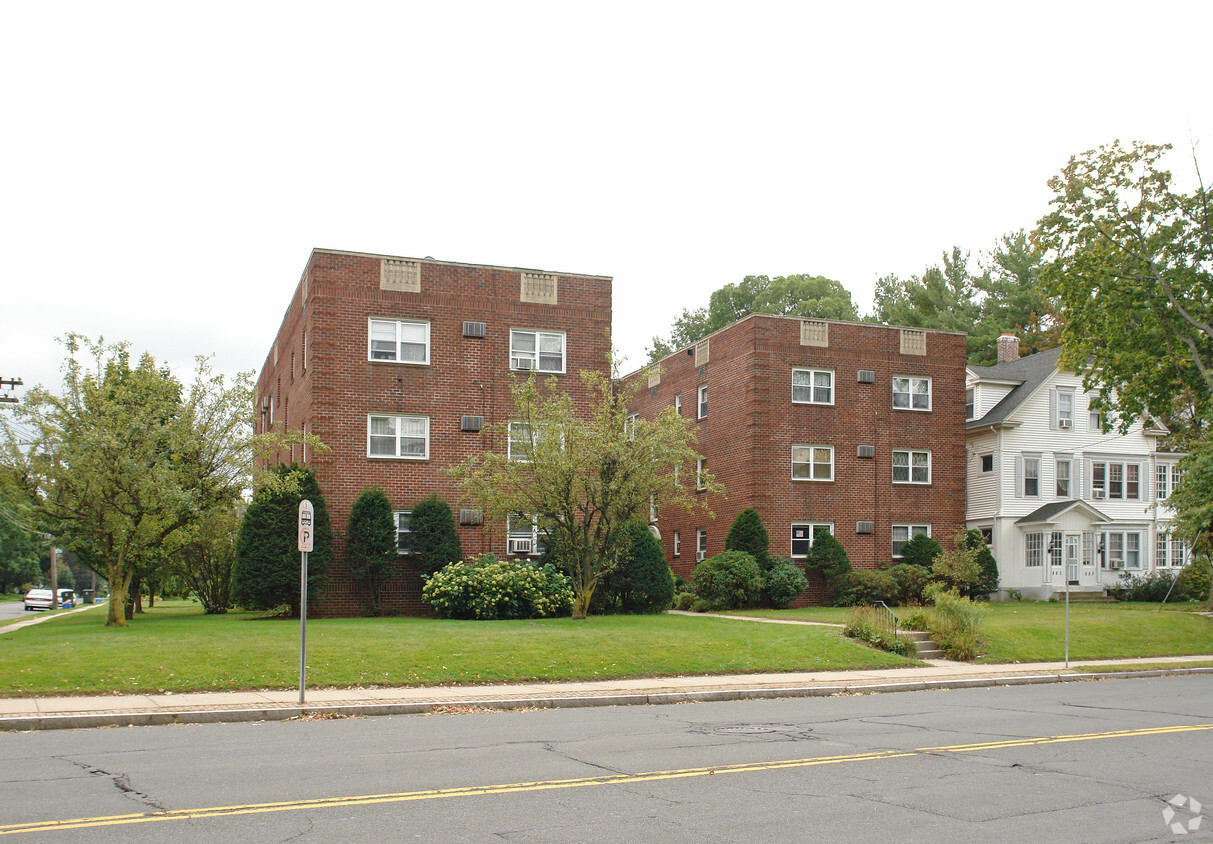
x=888, y=617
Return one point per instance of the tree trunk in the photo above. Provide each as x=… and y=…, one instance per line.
x=120, y=583
x=134, y=602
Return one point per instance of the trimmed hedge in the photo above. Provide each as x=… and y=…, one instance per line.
x=728, y=581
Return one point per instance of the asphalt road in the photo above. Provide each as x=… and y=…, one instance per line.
x=1090, y=761
x=12, y=609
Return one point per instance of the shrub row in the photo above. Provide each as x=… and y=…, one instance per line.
x=490, y=589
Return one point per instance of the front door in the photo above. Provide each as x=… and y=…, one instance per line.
x=1072, y=547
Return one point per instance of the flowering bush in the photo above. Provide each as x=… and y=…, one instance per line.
x=488, y=589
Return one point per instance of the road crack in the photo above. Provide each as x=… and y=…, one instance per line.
x=122, y=782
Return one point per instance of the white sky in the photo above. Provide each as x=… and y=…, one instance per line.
x=168, y=167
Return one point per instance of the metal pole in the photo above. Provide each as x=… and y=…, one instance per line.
x=1067, y=576
x=302, y=625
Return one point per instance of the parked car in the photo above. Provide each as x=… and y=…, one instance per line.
x=38, y=599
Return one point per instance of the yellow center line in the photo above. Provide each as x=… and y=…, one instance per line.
x=582, y=782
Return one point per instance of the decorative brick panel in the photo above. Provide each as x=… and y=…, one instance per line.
x=400, y=275
x=814, y=332
x=540, y=288
x=913, y=342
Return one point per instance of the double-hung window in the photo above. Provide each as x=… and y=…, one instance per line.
x=812, y=462
x=677, y=544
x=405, y=437
x=911, y=393
x=539, y=351
x=1063, y=410
x=1116, y=481
x=399, y=340
x=1123, y=549
x=404, y=535
x=812, y=386
x=701, y=544
x=1170, y=551
x=701, y=481
x=911, y=467
x=970, y=403
x=1031, y=477
x=803, y=534
x=703, y=403
x=904, y=533
x=1063, y=477
x=1167, y=477
x=521, y=444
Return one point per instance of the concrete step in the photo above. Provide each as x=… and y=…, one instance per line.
x=925, y=647
x=1084, y=597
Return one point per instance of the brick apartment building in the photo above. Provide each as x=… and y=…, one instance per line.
x=397, y=364
x=856, y=427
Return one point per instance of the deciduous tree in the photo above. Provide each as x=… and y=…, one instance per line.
x=793, y=295
x=586, y=473
x=1130, y=258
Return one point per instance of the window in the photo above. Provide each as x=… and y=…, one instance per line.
x=703, y=402
x=541, y=351
x=1122, y=549
x=1031, y=477
x=969, y=403
x=904, y=533
x=911, y=393
x=677, y=544
x=1094, y=421
x=812, y=463
x=701, y=543
x=987, y=463
x=1170, y=551
x=678, y=405
x=404, y=536
x=911, y=467
x=406, y=437
x=303, y=361
x=629, y=426
x=523, y=535
x=1063, y=410
x=399, y=340
x=1034, y=547
x=700, y=465
x=652, y=506
x=812, y=386
x=1167, y=477
x=803, y=534
x=521, y=445
x=1063, y=477
x=1119, y=481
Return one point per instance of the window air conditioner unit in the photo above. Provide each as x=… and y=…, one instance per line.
x=1063, y=423
x=523, y=363
x=520, y=546
x=700, y=556
x=867, y=376
x=864, y=527
x=471, y=517
x=473, y=329
x=1098, y=494
x=1116, y=564
x=471, y=423
x=865, y=451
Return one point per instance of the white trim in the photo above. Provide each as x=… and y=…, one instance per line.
x=812, y=386
x=529, y=360
x=910, y=467
x=397, y=436
x=811, y=462
x=397, y=329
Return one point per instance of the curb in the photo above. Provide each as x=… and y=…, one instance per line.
x=76, y=721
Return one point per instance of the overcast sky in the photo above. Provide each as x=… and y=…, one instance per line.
x=167, y=167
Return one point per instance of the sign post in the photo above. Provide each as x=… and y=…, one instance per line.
x=307, y=518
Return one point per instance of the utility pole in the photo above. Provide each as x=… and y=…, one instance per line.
x=10, y=384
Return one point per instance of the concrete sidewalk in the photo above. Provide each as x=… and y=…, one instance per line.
x=135, y=710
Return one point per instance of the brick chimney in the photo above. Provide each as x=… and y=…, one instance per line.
x=1008, y=348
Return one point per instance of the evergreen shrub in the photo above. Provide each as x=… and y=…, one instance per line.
x=729, y=580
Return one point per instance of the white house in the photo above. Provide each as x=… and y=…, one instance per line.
x=1058, y=498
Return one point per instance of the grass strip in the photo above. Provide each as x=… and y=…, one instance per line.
x=176, y=648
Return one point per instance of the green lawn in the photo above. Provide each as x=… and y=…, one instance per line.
x=176, y=648
x=1025, y=631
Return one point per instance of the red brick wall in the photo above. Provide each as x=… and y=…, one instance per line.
x=465, y=376
x=752, y=425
